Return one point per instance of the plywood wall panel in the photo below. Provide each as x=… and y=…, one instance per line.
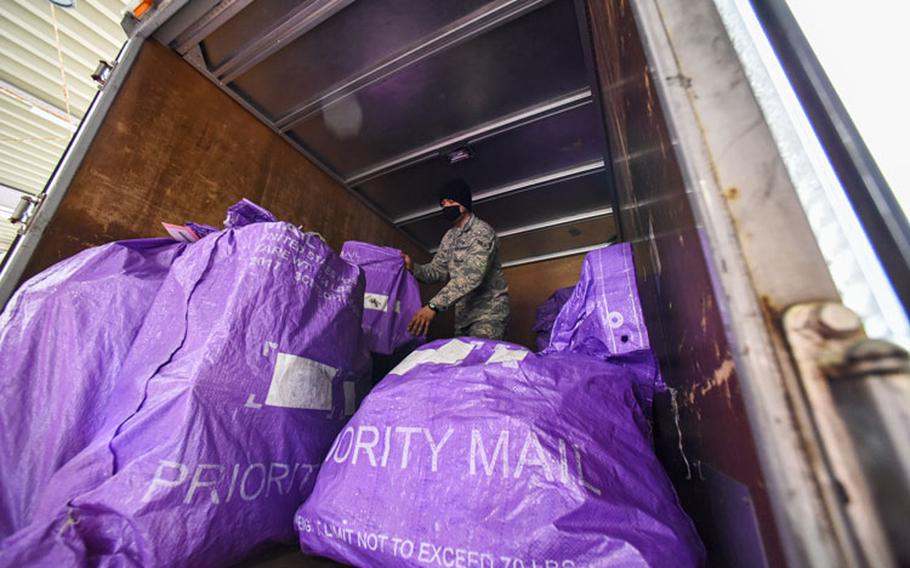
x=175, y=148
x=530, y=285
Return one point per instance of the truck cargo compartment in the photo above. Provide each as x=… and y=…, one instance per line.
x=345, y=117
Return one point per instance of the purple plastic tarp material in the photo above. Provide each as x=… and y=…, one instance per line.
x=481, y=453
x=247, y=366
x=602, y=318
x=201, y=229
x=245, y=212
x=63, y=338
x=391, y=299
x=603, y=315
x=546, y=315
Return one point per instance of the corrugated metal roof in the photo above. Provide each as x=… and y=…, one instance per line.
x=47, y=56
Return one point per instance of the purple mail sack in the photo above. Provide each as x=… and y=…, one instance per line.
x=63, y=338
x=479, y=453
x=546, y=315
x=244, y=371
x=391, y=299
x=603, y=316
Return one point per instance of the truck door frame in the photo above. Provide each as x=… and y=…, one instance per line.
x=15, y=262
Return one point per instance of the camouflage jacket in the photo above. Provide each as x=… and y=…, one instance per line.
x=468, y=257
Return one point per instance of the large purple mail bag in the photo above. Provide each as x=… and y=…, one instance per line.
x=546, y=315
x=63, y=338
x=480, y=453
x=245, y=370
x=603, y=315
x=391, y=299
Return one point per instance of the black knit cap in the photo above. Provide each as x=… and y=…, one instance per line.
x=457, y=190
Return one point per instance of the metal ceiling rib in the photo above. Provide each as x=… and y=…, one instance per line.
x=545, y=150
x=381, y=109
x=470, y=26
x=212, y=20
x=605, y=212
x=20, y=125
x=556, y=239
x=514, y=187
x=555, y=255
x=26, y=24
x=299, y=22
x=598, y=214
x=37, y=114
x=476, y=134
x=561, y=202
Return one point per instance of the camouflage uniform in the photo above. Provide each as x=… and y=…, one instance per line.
x=468, y=257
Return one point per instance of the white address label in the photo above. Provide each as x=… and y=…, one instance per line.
x=378, y=302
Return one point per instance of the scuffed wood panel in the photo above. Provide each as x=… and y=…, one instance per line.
x=175, y=148
x=530, y=285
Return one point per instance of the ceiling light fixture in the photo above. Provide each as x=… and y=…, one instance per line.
x=460, y=155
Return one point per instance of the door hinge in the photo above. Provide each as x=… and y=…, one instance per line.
x=25, y=211
x=858, y=399
x=103, y=72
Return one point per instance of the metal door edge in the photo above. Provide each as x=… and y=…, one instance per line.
x=804, y=527
x=24, y=247
x=18, y=257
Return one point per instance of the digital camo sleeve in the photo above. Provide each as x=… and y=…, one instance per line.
x=434, y=271
x=468, y=276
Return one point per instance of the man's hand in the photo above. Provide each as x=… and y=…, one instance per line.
x=407, y=260
x=420, y=325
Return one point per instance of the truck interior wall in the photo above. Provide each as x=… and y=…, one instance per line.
x=702, y=431
x=168, y=151
x=530, y=285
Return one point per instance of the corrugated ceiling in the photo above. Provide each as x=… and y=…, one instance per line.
x=498, y=93
x=47, y=56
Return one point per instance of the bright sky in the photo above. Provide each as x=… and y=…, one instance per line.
x=863, y=48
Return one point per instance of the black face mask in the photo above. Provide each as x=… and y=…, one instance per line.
x=451, y=213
